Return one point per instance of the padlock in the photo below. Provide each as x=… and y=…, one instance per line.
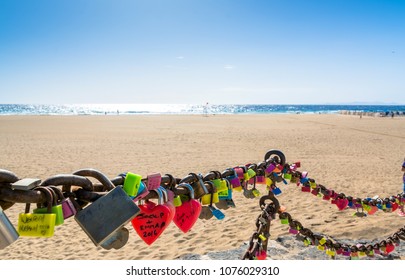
x=306, y=188
x=284, y=218
x=56, y=208
x=153, y=219
x=270, y=168
x=312, y=183
x=103, y=217
x=276, y=190
x=287, y=176
x=153, y=181
x=188, y=212
x=322, y=241
x=294, y=179
x=26, y=184
x=260, y=180
x=216, y=212
x=250, y=174
x=68, y=207
x=293, y=230
x=36, y=224
x=307, y=242
x=198, y=185
x=227, y=193
x=315, y=191
x=168, y=197
x=255, y=191
x=177, y=201
x=8, y=234
x=261, y=255
x=209, y=211
x=142, y=193
x=330, y=252
x=341, y=203
x=132, y=184
x=269, y=182
x=326, y=195
x=235, y=182
x=240, y=172
x=320, y=247
x=212, y=196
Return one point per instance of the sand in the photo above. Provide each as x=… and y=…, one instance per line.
x=359, y=157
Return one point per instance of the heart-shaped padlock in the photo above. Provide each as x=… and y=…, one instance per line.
x=188, y=212
x=341, y=203
x=153, y=219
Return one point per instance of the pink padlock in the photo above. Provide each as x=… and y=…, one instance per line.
x=153, y=181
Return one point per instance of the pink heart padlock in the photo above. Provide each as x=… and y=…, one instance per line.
x=188, y=212
x=342, y=203
x=153, y=219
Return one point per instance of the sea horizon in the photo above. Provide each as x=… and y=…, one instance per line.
x=161, y=109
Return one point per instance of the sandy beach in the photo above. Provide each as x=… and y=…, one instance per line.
x=359, y=157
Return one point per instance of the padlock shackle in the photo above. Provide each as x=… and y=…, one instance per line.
x=187, y=187
x=49, y=198
x=58, y=192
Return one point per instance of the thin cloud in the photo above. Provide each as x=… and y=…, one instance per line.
x=229, y=67
x=180, y=57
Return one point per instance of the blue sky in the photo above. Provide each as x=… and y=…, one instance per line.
x=217, y=51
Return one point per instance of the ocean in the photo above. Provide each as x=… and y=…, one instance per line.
x=145, y=109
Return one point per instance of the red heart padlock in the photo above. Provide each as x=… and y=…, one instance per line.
x=153, y=219
x=342, y=203
x=188, y=212
x=394, y=206
x=389, y=248
x=261, y=255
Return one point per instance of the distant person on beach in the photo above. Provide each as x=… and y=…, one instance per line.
x=205, y=111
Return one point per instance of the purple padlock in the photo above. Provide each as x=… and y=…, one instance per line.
x=68, y=208
x=270, y=168
x=260, y=180
x=346, y=253
x=293, y=231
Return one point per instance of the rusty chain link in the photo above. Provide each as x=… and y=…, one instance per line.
x=78, y=187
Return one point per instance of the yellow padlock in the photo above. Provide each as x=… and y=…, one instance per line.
x=256, y=192
x=320, y=247
x=322, y=241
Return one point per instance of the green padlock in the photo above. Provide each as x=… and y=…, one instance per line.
x=132, y=183
x=251, y=173
x=177, y=201
x=56, y=209
x=287, y=176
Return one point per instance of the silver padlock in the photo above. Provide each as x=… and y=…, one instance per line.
x=101, y=219
x=8, y=233
x=26, y=184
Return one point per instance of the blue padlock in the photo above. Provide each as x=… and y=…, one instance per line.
x=276, y=191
